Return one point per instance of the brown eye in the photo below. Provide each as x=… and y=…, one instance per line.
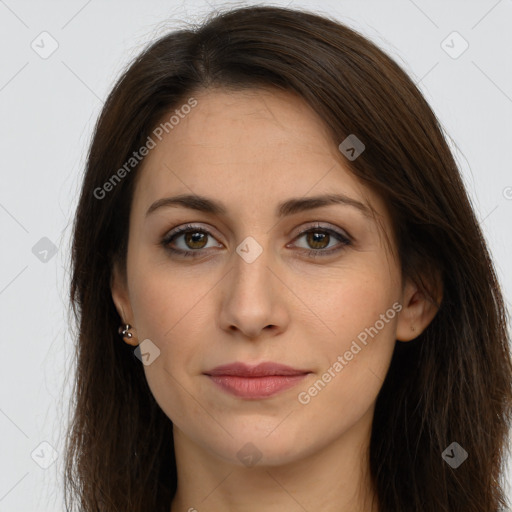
x=319, y=238
x=195, y=239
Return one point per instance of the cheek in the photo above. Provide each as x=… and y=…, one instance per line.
x=355, y=303
x=354, y=367
x=162, y=304
x=361, y=315
x=164, y=311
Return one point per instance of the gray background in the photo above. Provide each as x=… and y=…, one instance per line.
x=48, y=108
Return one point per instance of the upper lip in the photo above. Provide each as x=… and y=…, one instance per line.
x=261, y=370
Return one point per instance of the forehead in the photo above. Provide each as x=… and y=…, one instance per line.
x=249, y=149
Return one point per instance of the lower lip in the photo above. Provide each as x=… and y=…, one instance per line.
x=256, y=387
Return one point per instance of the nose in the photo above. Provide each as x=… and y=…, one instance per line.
x=253, y=298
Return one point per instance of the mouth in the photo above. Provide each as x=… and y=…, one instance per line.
x=255, y=382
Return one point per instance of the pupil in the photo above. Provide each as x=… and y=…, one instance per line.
x=317, y=238
x=195, y=237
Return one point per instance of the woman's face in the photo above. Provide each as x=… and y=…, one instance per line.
x=249, y=291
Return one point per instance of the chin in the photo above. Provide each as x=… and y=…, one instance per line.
x=250, y=448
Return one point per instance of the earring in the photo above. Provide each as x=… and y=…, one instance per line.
x=124, y=331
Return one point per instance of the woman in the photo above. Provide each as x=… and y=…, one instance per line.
x=272, y=220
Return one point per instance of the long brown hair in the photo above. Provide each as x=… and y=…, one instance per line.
x=451, y=384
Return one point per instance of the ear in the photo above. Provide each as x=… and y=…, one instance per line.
x=120, y=296
x=418, y=309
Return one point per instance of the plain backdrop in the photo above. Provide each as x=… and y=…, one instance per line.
x=49, y=104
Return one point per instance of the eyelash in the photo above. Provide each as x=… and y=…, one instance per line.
x=345, y=241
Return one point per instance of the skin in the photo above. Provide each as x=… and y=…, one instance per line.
x=251, y=150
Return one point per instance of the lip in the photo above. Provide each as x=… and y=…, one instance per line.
x=260, y=370
x=255, y=382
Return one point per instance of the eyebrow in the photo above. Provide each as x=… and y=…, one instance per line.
x=284, y=209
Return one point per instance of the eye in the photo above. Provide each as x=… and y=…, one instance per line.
x=319, y=238
x=196, y=239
